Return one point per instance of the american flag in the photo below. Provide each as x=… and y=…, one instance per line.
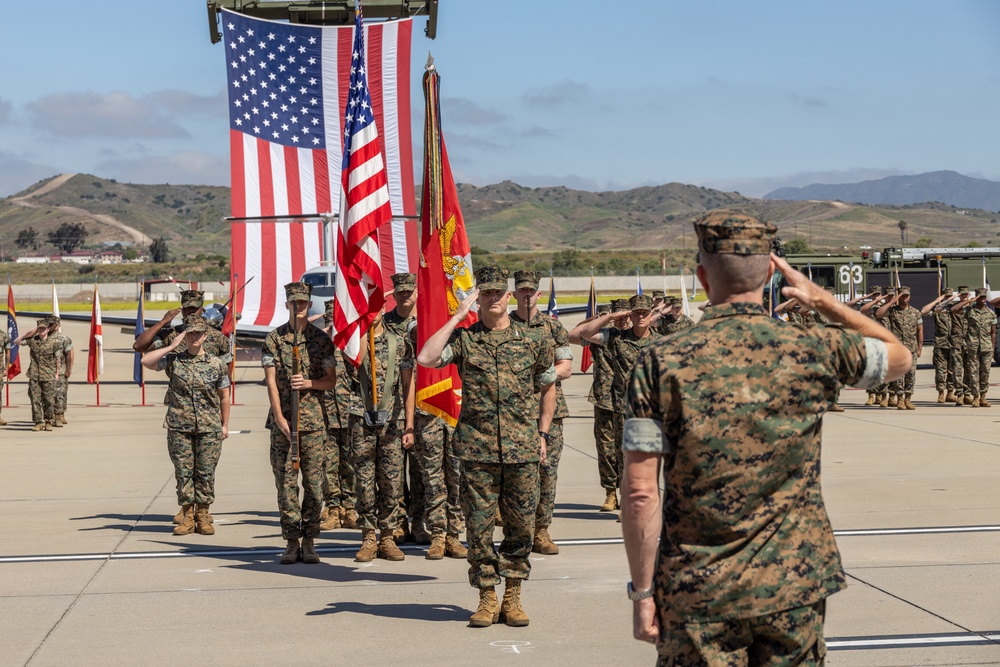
x=358, y=295
x=288, y=86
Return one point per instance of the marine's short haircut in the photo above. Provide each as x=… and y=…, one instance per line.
x=737, y=273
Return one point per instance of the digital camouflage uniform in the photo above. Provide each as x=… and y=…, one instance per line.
x=745, y=533
x=669, y=324
x=378, y=450
x=608, y=454
x=944, y=378
x=979, y=324
x=4, y=354
x=338, y=479
x=316, y=357
x=42, y=378
x=903, y=323
x=413, y=499
x=194, y=422
x=959, y=328
x=497, y=442
x=63, y=347
x=548, y=470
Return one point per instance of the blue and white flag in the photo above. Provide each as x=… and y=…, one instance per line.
x=140, y=326
x=553, y=305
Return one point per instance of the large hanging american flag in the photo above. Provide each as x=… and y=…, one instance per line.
x=364, y=207
x=288, y=86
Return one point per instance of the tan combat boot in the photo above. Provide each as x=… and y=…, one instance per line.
x=871, y=399
x=309, y=554
x=610, y=501
x=836, y=408
x=3, y=422
x=62, y=419
x=179, y=516
x=369, y=548
x=543, y=544
x=488, y=612
x=420, y=534
x=348, y=518
x=402, y=533
x=900, y=403
x=290, y=555
x=330, y=519
x=908, y=403
x=941, y=396
x=56, y=423
x=453, y=548
x=186, y=526
x=983, y=403
x=436, y=550
x=951, y=397
x=893, y=401
x=202, y=522
x=510, y=609
x=969, y=400
x=387, y=548
x=884, y=401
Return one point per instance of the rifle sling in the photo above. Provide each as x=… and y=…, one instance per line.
x=390, y=376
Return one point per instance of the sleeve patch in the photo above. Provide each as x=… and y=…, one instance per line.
x=547, y=377
x=876, y=364
x=564, y=353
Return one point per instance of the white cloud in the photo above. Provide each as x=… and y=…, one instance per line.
x=4, y=110
x=114, y=114
x=462, y=111
x=187, y=167
x=564, y=92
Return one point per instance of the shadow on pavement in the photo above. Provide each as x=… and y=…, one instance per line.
x=420, y=612
x=585, y=512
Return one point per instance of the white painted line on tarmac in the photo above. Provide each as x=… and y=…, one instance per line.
x=912, y=641
x=917, y=531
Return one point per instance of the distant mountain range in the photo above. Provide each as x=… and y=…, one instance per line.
x=947, y=187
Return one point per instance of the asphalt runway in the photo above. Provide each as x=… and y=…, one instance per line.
x=91, y=574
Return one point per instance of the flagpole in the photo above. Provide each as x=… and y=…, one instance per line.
x=371, y=364
x=97, y=374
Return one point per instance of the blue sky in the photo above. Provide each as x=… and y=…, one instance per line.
x=743, y=96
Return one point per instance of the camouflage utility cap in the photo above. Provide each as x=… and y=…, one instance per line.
x=604, y=309
x=195, y=324
x=527, y=279
x=890, y=291
x=674, y=301
x=640, y=302
x=491, y=278
x=734, y=234
x=404, y=282
x=980, y=291
x=619, y=304
x=876, y=290
x=964, y=289
x=43, y=321
x=658, y=294
x=192, y=298
x=947, y=291
x=903, y=291
x=298, y=291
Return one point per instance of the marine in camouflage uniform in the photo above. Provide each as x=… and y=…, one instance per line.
x=957, y=341
x=378, y=447
x=608, y=453
x=317, y=374
x=339, y=496
x=197, y=421
x=907, y=324
x=674, y=320
x=746, y=556
x=4, y=363
x=527, y=315
x=980, y=340
x=42, y=373
x=499, y=438
x=882, y=396
x=940, y=310
x=402, y=319
x=624, y=346
x=64, y=368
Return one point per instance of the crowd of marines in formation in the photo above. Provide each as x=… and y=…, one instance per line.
x=51, y=364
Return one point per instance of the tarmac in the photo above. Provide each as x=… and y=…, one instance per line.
x=91, y=574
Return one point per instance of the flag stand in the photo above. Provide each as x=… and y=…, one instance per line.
x=97, y=386
x=144, y=404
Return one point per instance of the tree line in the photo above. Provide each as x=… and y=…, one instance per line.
x=71, y=236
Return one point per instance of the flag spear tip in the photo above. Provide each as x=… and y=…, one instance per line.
x=430, y=62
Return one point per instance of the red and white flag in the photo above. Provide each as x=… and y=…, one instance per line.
x=288, y=86
x=364, y=207
x=95, y=354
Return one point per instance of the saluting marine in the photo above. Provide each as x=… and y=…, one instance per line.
x=41, y=373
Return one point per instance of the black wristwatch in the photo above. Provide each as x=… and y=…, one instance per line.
x=544, y=435
x=639, y=595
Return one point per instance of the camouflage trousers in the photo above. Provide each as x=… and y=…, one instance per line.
x=944, y=378
x=608, y=453
x=299, y=519
x=957, y=365
x=515, y=487
x=62, y=387
x=42, y=394
x=3, y=380
x=904, y=385
x=338, y=478
x=548, y=475
x=195, y=457
x=977, y=371
x=434, y=448
x=378, y=474
x=791, y=637
x=414, y=498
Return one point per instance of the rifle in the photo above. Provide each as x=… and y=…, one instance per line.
x=293, y=427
